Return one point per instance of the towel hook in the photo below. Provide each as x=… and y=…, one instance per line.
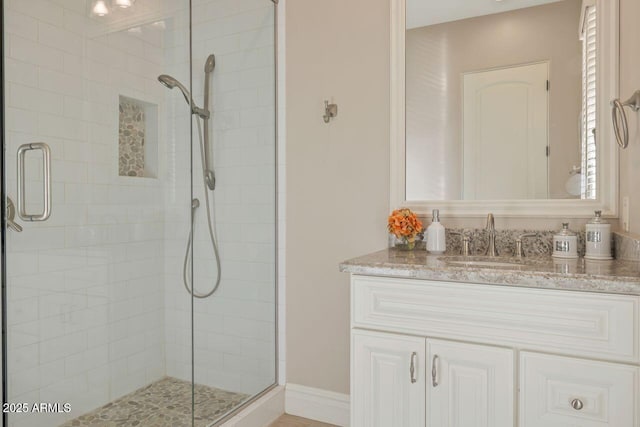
x=619, y=117
x=330, y=111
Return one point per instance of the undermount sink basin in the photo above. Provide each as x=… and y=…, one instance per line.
x=471, y=263
x=482, y=261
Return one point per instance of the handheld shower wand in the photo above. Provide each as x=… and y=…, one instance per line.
x=171, y=83
x=203, y=113
x=208, y=176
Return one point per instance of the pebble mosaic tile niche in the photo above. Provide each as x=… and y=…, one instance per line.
x=134, y=136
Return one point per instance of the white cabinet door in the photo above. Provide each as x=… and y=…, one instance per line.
x=388, y=380
x=469, y=385
x=562, y=391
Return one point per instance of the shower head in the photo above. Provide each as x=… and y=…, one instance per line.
x=210, y=64
x=167, y=80
x=171, y=83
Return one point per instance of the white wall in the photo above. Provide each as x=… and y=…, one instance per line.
x=630, y=82
x=235, y=328
x=85, y=288
x=337, y=174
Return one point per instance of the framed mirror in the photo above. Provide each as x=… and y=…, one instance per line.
x=504, y=107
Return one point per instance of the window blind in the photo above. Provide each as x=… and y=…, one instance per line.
x=589, y=107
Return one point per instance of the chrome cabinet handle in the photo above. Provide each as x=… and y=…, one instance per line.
x=412, y=368
x=577, y=404
x=434, y=371
x=46, y=157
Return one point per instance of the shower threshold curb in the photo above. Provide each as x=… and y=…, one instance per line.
x=260, y=411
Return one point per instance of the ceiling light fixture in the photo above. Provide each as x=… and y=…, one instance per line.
x=124, y=4
x=99, y=8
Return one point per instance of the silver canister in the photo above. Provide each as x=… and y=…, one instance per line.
x=565, y=243
x=598, y=238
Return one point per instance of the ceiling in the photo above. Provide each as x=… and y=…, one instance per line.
x=421, y=13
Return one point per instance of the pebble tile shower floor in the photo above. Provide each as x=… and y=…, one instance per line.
x=164, y=403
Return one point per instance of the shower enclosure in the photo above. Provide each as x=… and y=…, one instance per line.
x=139, y=237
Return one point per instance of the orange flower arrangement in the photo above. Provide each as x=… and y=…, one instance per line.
x=405, y=225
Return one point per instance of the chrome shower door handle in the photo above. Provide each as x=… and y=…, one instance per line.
x=46, y=169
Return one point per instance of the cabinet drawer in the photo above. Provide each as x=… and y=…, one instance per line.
x=574, y=323
x=561, y=391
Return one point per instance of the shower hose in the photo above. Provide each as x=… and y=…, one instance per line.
x=212, y=234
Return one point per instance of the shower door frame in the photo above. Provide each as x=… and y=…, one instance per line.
x=3, y=228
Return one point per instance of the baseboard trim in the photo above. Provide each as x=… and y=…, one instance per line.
x=317, y=404
x=262, y=412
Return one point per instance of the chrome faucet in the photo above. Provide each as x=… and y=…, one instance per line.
x=491, y=229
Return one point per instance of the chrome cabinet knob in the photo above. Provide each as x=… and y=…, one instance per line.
x=577, y=404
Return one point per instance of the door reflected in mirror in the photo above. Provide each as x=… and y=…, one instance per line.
x=501, y=100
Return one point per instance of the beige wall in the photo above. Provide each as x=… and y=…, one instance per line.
x=338, y=177
x=630, y=82
x=438, y=56
x=337, y=174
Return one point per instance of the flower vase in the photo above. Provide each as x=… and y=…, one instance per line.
x=405, y=243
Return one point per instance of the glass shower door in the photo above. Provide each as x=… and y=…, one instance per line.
x=85, y=286
x=141, y=238
x=234, y=344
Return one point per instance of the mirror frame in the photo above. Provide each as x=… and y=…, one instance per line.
x=608, y=154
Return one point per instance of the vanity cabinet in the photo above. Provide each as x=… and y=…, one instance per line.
x=443, y=354
x=401, y=379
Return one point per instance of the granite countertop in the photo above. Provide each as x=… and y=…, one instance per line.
x=613, y=277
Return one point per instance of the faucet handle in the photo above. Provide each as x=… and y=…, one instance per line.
x=519, y=249
x=466, y=242
x=466, y=245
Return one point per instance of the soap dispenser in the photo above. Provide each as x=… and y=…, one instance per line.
x=435, y=235
x=598, y=236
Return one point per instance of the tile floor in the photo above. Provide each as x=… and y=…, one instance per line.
x=164, y=403
x=293, y=421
